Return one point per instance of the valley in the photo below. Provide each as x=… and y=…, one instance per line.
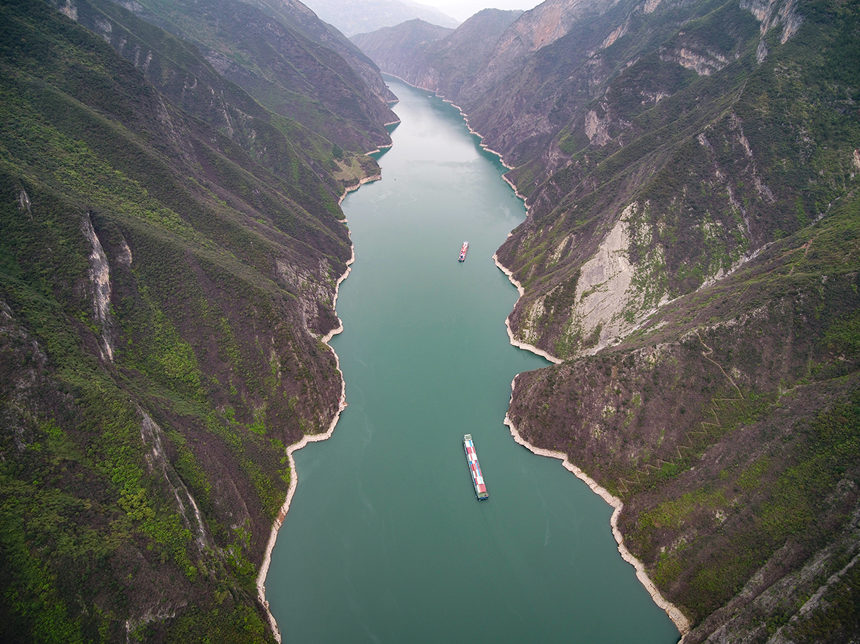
x=173, y=239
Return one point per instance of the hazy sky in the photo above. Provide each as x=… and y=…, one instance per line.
x=462, y=9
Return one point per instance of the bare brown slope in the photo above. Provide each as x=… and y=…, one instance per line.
x=729, y=427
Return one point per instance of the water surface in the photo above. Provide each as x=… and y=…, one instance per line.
x=385, y=540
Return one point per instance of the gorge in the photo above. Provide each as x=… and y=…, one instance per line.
x=172, y=242
x=384, y=533
x=670, y=154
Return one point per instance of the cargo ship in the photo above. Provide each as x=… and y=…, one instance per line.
x=463, y=250
x=475, y=468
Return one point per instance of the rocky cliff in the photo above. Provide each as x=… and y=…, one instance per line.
x=674, y=156
x=728, y=424
x=168, y=262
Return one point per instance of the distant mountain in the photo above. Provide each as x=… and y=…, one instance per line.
x=691, y=253
x=362, y=16
x=169, y=253
x=397, y=48
x=433, y=57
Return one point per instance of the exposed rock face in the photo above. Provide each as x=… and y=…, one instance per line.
x=100, y=281
x=596, y=128
x=601, y=290
x=704, y=64
x=774, y=13
x=157, y=461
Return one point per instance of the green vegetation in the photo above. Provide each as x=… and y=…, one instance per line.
x=127, y=476
x=729, y=426
x=718, y=167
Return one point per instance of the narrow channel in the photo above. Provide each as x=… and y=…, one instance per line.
x=385, y=540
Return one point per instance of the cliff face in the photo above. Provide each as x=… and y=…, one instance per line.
x=673, y=156
x=728, y=424
x=170, y=251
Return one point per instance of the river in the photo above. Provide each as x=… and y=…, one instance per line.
x=385, y=540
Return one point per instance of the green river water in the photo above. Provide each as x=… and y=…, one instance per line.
x=385, y=540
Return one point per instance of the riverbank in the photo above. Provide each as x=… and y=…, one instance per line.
x=308, y=438
x=472, y=131
x=517, y=343
x=678, y=618
x=356, y=186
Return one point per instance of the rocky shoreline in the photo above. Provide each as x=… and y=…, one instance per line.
x=513, y=340
x=678, y=618
x=312, y=438
x=353, y=188
x=308, y=438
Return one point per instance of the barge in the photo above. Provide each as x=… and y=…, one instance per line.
x=463, y=250
x=475, y=468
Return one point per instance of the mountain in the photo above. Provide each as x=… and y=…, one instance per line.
x=364, y=16
x=728, y=424
x=170, y=252
x=281, y=54
x=397, y=48
x=430, y=56
x=690, y=259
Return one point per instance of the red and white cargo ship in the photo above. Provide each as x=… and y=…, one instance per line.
x=475, y=468
x=463, y=250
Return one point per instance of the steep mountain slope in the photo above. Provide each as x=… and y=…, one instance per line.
x=293, y=64
x=363, y=16
x=167, y=267
x=299, y=16
x=624, y=92
x=691, y=173
x=705, y=178
x=729, y=425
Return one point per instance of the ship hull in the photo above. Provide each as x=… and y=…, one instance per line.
x=475, y=468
